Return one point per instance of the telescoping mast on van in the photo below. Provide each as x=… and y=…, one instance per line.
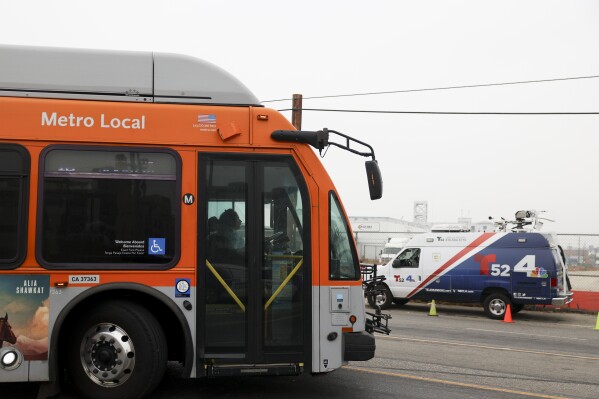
x=153, y=211
x=515, y=267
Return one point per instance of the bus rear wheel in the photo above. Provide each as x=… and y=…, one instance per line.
x=116, y=350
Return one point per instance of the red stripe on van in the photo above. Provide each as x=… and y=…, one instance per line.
x=472, y=246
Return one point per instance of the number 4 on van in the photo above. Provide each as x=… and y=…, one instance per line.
x=525, y=265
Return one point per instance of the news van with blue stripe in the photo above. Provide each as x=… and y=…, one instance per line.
x=497, y=269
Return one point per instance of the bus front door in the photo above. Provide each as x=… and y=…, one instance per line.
x=254, y=286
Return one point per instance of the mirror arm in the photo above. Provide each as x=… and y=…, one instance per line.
x=320, y=140
x=347, y=148
x=347, y=145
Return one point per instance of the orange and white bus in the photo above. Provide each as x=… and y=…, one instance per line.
x=151, y=210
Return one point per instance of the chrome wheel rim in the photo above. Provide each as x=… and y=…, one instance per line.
x=107, y=355
x=497, y=307
x=380, y=299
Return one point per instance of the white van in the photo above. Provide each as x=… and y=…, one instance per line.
x=495, y=269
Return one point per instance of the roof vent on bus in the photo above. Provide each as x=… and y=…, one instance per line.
x=49, y=72
x=180, y=78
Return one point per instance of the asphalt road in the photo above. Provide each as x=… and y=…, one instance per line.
x=459, y=354
x=541, y=354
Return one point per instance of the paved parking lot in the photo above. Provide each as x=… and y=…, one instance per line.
x=459, y=354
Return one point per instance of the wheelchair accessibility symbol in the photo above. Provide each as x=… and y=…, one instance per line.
x=156, y=246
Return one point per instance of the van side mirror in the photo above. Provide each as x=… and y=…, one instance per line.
x=375, y=180
x=397, y=263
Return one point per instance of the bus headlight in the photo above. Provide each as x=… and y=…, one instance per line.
x=10, y=358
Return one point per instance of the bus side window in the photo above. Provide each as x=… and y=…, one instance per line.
x=14, y=185
x=109, y=207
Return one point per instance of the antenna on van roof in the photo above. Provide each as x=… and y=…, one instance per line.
x=522, y=219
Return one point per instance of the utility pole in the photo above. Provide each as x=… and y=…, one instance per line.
x=296, y=112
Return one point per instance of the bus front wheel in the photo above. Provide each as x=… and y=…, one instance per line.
x=116, y=350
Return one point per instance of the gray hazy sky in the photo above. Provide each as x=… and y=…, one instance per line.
x=462, y=165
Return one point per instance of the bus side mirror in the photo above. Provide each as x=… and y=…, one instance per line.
x=375, y=180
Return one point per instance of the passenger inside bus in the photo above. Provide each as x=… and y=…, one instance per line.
x=223, y=243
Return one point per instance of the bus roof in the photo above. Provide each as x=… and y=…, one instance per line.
x=46, y=72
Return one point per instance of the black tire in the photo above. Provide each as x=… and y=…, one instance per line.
x=116, y=350
x=516, y=307
x=400, y=301
x=384, y=299
x=495, y=305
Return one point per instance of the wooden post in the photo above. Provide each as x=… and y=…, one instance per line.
x=296, y=113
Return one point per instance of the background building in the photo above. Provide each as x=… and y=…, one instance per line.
x=372, y=233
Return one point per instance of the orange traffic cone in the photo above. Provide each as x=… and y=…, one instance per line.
x=508, y=315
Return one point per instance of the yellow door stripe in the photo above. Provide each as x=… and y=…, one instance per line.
x=225, y=285
x=284, y=283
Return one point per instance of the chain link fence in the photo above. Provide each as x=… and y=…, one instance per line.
x=582, y=256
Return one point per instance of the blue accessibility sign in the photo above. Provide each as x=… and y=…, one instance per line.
x=156, y=246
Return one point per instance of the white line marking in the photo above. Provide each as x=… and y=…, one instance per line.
x=516, y=333
x=456, y=383
x=429, y=341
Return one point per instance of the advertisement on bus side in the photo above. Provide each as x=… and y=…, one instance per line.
x=24, y=311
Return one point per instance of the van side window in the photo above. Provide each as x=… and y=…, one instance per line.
x=14, y=189
x=109, y=208
x=410, y=257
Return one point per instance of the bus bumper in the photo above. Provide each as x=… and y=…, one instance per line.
x=358, y=346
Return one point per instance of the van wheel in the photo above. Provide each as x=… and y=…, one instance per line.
x=384, y=298
x=495, y=305
x=116, y=350
x=401, y=301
